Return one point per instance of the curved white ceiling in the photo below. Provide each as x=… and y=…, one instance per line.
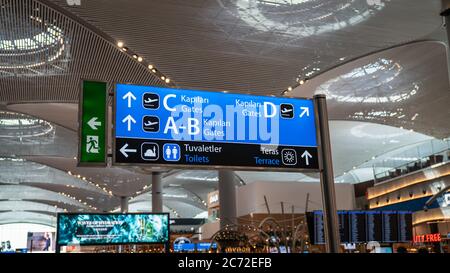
x=406, y=87
x=256, y=46
x=28, y=206
x=27, y=217
x=19, y=192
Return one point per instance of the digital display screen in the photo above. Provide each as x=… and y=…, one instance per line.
x=390, y=226
x=184, y=247
x=206, y=246
x=357, y=226
x=41, y=241
x=319, y=228
x=405, y=226
x=364, y=226
x=344, y=226
x=383, y=250
x=374, y=226
x=103, y=229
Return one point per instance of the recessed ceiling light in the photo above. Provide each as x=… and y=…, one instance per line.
x=120, y=44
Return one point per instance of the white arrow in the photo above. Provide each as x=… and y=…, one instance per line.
x=129, y=119
x=93, y=123
x=306, y=155
x=305, y=111
x=130, y=97
x=124, y=150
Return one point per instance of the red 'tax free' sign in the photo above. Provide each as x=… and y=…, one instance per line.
x=427, y=238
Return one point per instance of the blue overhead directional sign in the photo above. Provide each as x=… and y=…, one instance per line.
x=165, y=126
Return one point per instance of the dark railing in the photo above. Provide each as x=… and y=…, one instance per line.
x=430, y=160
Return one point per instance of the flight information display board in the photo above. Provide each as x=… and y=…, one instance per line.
x=390, y=226
x=357, y=226
x=405, y=226
x=344, y=226
x=190, y=128
x=374, y=226
x=365, y=226
x=319, y=228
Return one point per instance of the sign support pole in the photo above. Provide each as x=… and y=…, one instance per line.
x=331, y=223
x=124, y=204
x=157, y=205
x=227, y=198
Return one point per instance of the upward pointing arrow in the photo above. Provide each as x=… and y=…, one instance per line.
x=130, y=97
x=306, y=155
x=305, y=111
x=93, y=123
x=129, y=119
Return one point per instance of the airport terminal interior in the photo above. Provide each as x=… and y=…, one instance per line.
x=84, y=169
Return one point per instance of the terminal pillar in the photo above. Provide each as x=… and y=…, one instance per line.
x=331, y=223
x=157, y=206
x=227, y=198
x=445, y=12
x=123, y=209
x=124, y=204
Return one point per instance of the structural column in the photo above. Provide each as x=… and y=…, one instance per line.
x=331, y=224
x=157, y=205
x=123, y=209
x=227, y=198
x=445, y=13
x=124, y=204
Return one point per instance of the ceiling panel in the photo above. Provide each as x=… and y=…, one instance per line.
x=406, y=87
x=45, y=54
x=253, y=45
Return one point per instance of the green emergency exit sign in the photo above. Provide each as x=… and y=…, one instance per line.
x=92, y=124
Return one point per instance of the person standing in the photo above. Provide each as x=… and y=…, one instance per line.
x=48, y=242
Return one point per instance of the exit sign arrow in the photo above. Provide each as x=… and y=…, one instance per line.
x=130, y=97
x=92, y=120
x=93, y=123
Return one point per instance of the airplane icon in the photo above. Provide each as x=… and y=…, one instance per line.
x=287, y=110
x=150, y=124
x=150, y=100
